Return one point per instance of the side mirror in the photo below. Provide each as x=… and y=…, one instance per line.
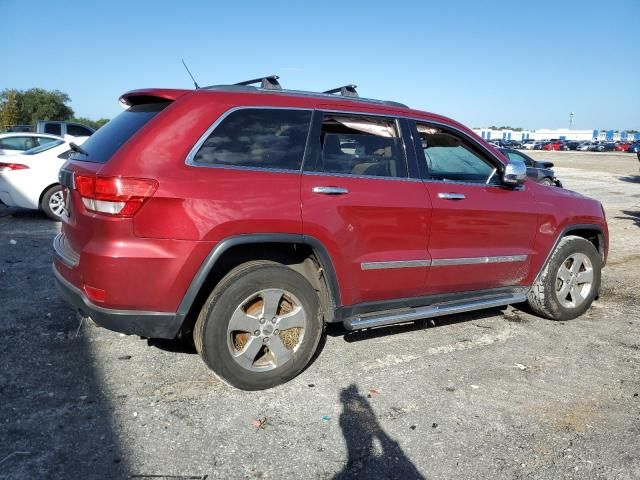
x=515, y=173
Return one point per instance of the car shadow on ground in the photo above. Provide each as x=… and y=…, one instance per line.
x=630, y=178
x=56, y=416
x=631, y=215
x=371, y=453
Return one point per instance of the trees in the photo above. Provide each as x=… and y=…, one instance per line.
x=25, y=107
x=32, y=105
x=9, y=109
x=95, y=124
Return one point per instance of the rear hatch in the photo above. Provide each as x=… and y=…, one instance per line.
x=94, y=211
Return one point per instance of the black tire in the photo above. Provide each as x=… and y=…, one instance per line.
x=211, y=337
x=543, y=297
x=45, y=204
x=546, y=181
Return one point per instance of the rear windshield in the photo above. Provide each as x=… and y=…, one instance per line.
x=101, y=146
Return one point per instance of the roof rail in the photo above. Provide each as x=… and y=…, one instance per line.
x=268, y=83
x=345, y=91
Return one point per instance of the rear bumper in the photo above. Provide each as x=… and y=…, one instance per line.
x=131, y=322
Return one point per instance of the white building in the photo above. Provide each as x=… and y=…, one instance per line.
x=559, y=134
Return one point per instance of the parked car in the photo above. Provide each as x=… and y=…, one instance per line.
x=54, y=127
x=571, y=145
x=30, y=179
x=248, y=217
x=528, y=144
x=20, y=142
x=634, y=147
x=539, y=171
x=621, y=147
x=64, y=128
x=553, y=145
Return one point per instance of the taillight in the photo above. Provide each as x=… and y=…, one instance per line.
x=118, y=196
x=5, y=167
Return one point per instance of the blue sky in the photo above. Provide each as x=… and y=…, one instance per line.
x=526, y=64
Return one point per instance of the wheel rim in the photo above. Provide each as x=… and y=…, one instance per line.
x=574, y=280
x=56, y=203
x=266, y=329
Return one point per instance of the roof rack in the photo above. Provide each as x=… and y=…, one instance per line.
x=268, y=83
x=345, y=91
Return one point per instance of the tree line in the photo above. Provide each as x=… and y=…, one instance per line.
x=26, y=107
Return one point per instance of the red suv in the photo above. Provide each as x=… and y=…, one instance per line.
x=248, y=217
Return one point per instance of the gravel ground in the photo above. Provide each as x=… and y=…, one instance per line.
x=492, y=394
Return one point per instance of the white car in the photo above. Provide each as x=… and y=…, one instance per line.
x=21, y=142
x=528, y=144
x=30, y=179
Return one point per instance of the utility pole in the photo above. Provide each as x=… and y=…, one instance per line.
x=571, y=120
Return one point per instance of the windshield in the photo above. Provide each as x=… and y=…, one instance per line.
x=43, y=148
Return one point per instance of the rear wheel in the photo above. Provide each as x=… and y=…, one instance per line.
x=569, y=282
x=260, y=326
x=52, y=203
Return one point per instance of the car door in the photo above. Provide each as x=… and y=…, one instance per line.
x=360, y=202
x=482, y=232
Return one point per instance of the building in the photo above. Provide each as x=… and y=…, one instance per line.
x=560, y=134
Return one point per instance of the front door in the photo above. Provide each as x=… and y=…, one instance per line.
x=482, y=232
x=358, y=200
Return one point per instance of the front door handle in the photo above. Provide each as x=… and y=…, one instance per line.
x=330, y=190
x=452, y=196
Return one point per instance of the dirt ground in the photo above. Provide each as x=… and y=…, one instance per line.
x=493, y=394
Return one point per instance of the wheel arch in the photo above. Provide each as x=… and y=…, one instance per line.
x=302, y=253
x=591, y=232
x=44, y=190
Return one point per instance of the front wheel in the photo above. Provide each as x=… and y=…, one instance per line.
x=546, y=181
x=569, y=282
x=260, y=326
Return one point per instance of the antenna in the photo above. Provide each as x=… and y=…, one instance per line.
x=189, y=72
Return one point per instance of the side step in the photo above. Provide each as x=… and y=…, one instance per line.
x=391, y=317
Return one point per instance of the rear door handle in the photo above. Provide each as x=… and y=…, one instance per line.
x=452, y=196
x=330, y=190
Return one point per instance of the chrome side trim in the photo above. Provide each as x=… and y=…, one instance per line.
x=445, y=262
x=64, y=252
x=395, y=264
x=436, y=310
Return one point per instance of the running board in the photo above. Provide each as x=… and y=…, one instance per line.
x=391, y=317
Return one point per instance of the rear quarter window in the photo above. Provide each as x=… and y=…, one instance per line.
x=259, y=138
x=104, y=143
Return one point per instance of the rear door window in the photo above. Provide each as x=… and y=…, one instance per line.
x=78, y=131
x=257, y=138
x=101, y=145
x=361, y=146
x=53, y=128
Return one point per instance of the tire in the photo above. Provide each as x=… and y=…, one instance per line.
x=547, y=182
x=552, y=296
x=248, y=360
x=52, y=203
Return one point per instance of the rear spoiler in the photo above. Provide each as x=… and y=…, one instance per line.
x=150, y=95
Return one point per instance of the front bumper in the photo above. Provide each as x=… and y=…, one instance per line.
x=131, y=322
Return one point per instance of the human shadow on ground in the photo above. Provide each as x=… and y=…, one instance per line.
x=371, y=453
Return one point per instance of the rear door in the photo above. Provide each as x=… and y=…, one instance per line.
x=360, y=202
x=481, y=231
